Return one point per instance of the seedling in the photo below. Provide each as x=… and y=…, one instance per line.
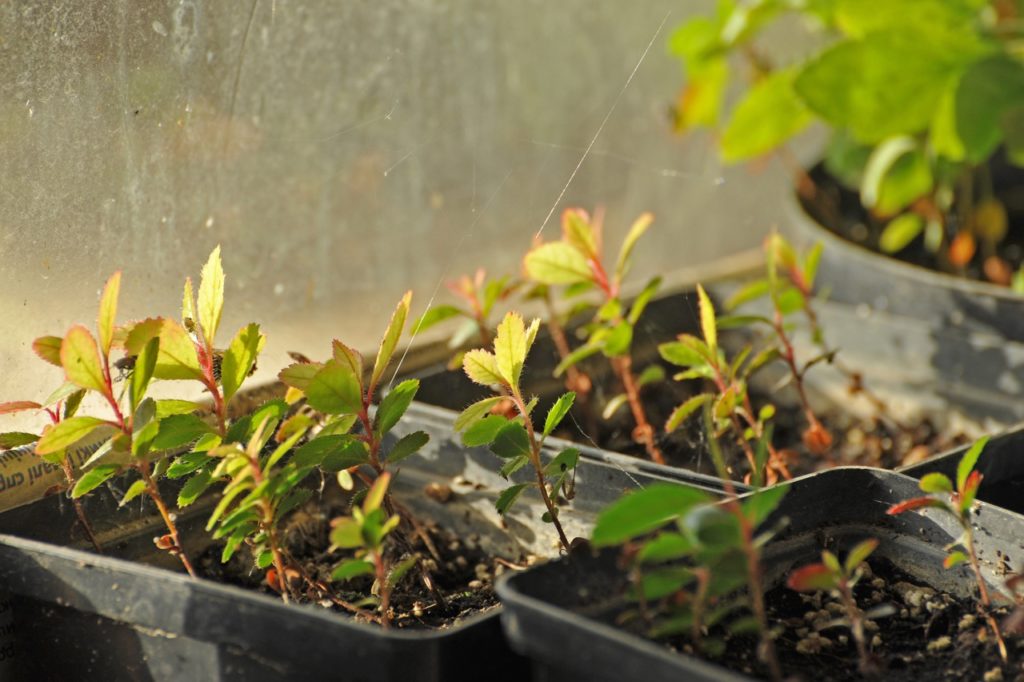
x=691, y=560
x=830, y=575
x=575, y=261
x=732, y=409
x=516, y=440
x=958, y=501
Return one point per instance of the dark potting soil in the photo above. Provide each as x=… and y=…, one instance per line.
x=462, y=574
x=923, y=634
x=839, y=209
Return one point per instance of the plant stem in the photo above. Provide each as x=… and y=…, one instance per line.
x=986, y=601
x=538, y=467
x=382, y=586
x=865, y=665
x=158, y=500
x=69, y=474
x=644, y=432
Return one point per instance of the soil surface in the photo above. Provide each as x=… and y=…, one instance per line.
x=461, y=574
x=840, y=210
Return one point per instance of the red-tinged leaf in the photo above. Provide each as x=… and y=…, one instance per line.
x=18, y=406
x=48, y=348
x=811, y=578
x=970, y=490
x=936, y=483
x=915, y=503
x=954, y=559
x=140, y=333
x=108, y=311
x=81, y=359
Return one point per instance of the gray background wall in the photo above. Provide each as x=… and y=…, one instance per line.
x=341, y=152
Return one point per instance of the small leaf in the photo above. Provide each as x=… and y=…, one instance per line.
x=684, y=410
x=707, y=320
x=510, y=348
x=19, y=406
x=575, y=357
x=968, y=461
x=900, y=231
x=748, y=292
x=108, y=312
x=346, y=533
x=475, y=412
x=188, y=304
x=351, y=569
x=14, y=439
x=484, y=431
x=558, y=411
x=350, y=454
x=433, y=316
x=94, y=478
x=683, y=353
x=557, y=263
x=636, y=230
x=760, y=504
x=240, y=358
x=642, y=299
x=859, y=555
x=394, y=405
x=177, y=359
x=299, y=374
x=617, y=342
x=407, y=445
x=187, y=463
x=936, y=483
x=915, y=503
x=211, y=295
x=334, y=389
x=145, y=365
x=139, y=334
x=165, y=408
x=482, y=368
x=643, y=511
x=509, y=496
x=48, y=348
x=178, y=430
x=134, y=490
x=564, y=461
x=314, y=452
x=576, y=230
x=513, y=465
x=511, y=441
x=651, y=375
x=349, y=357
x=391, y=337
x=68, y=432
x=765, y=118
x=954, y=558
x=614, y=405
x=81, y=360
x=375, y=496
x=970, y=490
x=811, y=578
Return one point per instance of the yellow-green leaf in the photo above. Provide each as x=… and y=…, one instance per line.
x=576, y=230
x=637, y=230
x=48, y=348
x=481, y=367
x=707, y=320
x=211, y=295
x=299, y=374
x=334, y=389
x=140, y=334
x=391, y=337
x=376, y=494
x=68, y=432
x=510, y=348
x=81, y=359
x=188, y=304
x=177, y=358
x=557, y=263
x=769, y=115
x=108, y=311
x=240, y=358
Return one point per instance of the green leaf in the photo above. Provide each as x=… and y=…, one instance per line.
x=859, y=555
x=178, y=430
x=407, y=445
x=684, y=410
x=299, y=374
x=375, y=496
x=642, y=299
x=510, y=348
x=350, y=454
x=108, y=312
x=334, y=389
x=511, y=441
x=165, y=408
x=575, y=357
x=577, y=231
x=769, y=114
x=967, y=462
x=683, y=353
x=636, y=230
x=187, y=463
x=748, y=292
x=81, y=360
x=240, y=358
x=509, y=496
x=394, y=405
x=557, y=263
x=140, y=333
x=618, y=340
x=936, y=483
x=314, y=452
x=134, y=490
x=352, y=569
x=900, y=231
x=14, y=439
x=68, y=432
x=513, y=465
x=644, y=511
x=614, y=405
x=177, y=359
x=896, y=174
x=760, y=504
x=48, y=348
x=564, y=461
x=94, y=478
x=666, y=547
x=955, y=558
x=651, y=374
x=475, y=412
x=145, y=365
x=211, y=295
x=391, y=337
x=482, y=368
x=812, y=578
x=349, y=357
x=434, y=316
x=988, y=89
x=558, y=411
x=707, y=320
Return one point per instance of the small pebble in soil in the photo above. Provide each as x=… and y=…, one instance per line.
x=940, y=643
x=994, y=675
x=438, y=491
x=813, y=643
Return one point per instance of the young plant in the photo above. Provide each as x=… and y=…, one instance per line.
x=576, y=261
x=516, y=440
x=918, y=150
x=832, y=576
x=957, y=501
x=691, y=560
x=732, y=409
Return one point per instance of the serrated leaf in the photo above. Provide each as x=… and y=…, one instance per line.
x=314, y=452
x=178, y=430
x=108, y=312
x=510, y=348
x=557, y=263
x=187, y=463
x=80, y=358
x=134, y=490
x=484, y=430
x=967, y=462
x=94, y=478
x=48, y=348
x=299, y=374
x=682, y=353
x=350, y=454
x=511, y=441
x=14, y=439
x=240, y=358
x=68, y=432
x=936, y=482
x=481, y=367
x=391, y=337
x=177, y=359
x=145, y=365
x=334, y=389
x=211, y=295
x=636, y=230
x=558, y=411
x=643, y=511
x=140, y=333
x=509, y=496
x=407, y=445
x=349, y=357
x=688, y=407
x=351, y=569
x=394, y=405
x=475, y=412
